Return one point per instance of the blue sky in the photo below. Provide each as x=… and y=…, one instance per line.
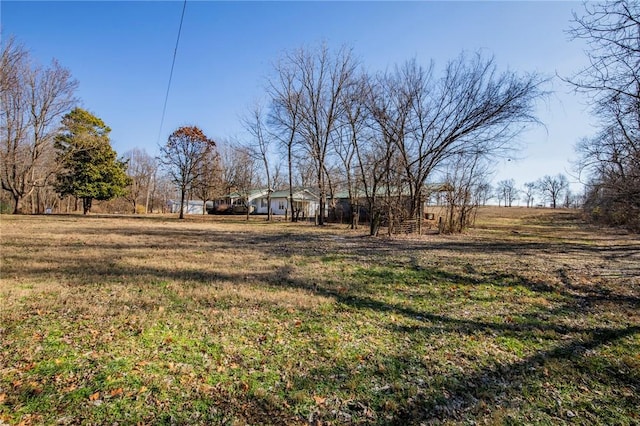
x=121, y=54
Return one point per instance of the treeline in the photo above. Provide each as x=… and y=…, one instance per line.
x=552, y=191
x=610, y=160
x=381, y=138
x=57, y=157
x=384, y=141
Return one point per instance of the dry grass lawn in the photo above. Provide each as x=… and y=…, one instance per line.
x=530, y=317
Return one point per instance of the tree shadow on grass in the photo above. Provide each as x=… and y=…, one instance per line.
x=467, y=396
x=576, y=343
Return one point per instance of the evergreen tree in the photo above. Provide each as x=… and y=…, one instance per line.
x=90, y=167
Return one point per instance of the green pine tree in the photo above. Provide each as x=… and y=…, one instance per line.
x=90, y=167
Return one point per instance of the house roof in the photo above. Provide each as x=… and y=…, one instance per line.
x=252, y=193
x=382, y=191
x=186, y=202
x=298, y=195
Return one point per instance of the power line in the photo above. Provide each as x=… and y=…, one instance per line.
x=173, y=62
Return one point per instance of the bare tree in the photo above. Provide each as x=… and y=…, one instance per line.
x=389, y=101
x=243, y=177
x=33, y=99
x=506, y=191
x=322, y=77
x=611, y=30
x=344, y=143
x=465, y=178
x=568, y=199
x=209, y=184
x=553, y=187
x=141, y=169
x=613, y=187
x=351, y=133
x=278, y=180
x=376, y=165
x=286, y=115
x=260, y=147
x=529, y=192
x=484, y=192
x=472, y=109
x=183, y=156
x=611, y=159
x=164, y=189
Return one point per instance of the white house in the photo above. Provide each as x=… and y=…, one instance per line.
x=235, y=202
x=304, y=201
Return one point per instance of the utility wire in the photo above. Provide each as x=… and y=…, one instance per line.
x=173, y=63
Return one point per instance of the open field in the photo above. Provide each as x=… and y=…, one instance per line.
x=531, y=318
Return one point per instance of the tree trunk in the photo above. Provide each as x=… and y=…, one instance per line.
x=290, y=159
x=354, y=223
x=420, y=215
x=17, y=204
x=323, y=199
x=291, y=209
x=86, y=205
x=182, y=194
x=268, y=205
x=374, y=224
x=146, y=201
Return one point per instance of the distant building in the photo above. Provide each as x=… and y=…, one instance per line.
x=305, y=203
x=236, y=202
x=190, y=206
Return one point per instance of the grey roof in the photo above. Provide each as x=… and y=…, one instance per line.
x=382, y=191
x=298, y=195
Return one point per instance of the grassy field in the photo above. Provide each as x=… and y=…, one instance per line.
x=530, y=318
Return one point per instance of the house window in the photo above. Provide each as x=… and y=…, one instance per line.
x=263, y=203
x=282, y=205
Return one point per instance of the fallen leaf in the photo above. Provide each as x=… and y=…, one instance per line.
x=319, y=400
x=206, y=388
x=116, y=392
x=94, y=396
